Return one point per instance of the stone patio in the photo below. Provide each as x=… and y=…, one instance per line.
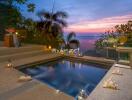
x=11, y=89
x=124, y=84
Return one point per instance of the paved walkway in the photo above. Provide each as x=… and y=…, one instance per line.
x=124, y=84
x=11, y=89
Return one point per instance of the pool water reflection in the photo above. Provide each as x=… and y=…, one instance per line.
x=66, y=76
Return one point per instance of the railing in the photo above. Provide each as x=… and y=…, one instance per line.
x=121, y=54
x=111, y=53
x=125, y=50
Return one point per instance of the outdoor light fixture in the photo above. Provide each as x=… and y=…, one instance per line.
x=121, y=43
x=49, y=47
x=16, y=33
x=9, y=64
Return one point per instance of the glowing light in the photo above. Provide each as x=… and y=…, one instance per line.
x=114, y=46
x=9, y=65
x=122, y=43
x=16, y=33
x=49, y=47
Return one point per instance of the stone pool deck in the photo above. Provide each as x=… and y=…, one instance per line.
x=124, y=85
x=11, y=89
x=124, y=81
x=98, y=60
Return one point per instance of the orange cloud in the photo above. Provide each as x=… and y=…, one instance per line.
x=98, y=25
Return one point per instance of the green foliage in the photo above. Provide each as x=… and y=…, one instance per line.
x=99, y=44
x=31, y=7
x=112, y=38
x=20, y=1
x=11, y=15
x=51, y=26
x=52, y=23
x=125, y=30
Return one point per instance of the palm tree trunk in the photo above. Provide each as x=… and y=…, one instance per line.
x=53, y=7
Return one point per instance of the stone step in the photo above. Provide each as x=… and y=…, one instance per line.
x=21, y=55
x=124, y=62
x=8, y=51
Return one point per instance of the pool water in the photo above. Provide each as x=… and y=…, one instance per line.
x=66, y=76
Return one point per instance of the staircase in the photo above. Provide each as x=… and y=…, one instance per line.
x=20, y=53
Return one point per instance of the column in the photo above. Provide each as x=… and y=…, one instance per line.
x=131, y=59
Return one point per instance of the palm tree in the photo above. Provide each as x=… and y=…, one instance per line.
x=72, y=42
x=71, y=36
x=61, y=41
x=52, y=23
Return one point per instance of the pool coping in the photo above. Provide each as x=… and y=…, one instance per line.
x=76, y=58
x=124, y=86
x=10, y=84
x=70, y=58
x=58, y=56
x=38, y=62
x=88, y=59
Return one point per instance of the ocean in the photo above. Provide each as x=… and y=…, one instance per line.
x=87, y=42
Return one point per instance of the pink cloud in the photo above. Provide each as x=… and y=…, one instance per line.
x=98, y=25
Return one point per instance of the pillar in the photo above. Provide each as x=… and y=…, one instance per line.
x=131, y=59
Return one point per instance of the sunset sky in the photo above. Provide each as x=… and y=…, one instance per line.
x=87, y=16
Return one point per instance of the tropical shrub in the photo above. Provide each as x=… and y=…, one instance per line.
x=121, y=36
x=10, y=15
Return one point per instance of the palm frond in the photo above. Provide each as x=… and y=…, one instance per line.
x=56, y=29
x=70, y=36
x=44, y=14
x=63, y=23
x=52, y=23
x=60, y=14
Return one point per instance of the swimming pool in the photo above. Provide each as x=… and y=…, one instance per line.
x=67, y=76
